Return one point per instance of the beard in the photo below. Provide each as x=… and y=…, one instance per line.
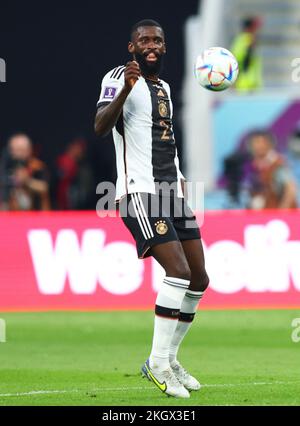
x=149, y=69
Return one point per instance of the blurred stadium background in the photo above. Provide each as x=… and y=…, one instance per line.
x=67, y=258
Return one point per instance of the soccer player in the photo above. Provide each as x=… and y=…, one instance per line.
x=136, y=105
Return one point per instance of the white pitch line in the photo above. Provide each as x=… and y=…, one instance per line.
x=126, y=389
x=45, y=392
x=225, y=385
x=40, y=392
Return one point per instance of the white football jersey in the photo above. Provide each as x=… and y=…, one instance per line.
x=143, y=136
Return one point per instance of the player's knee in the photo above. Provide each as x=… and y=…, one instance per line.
x=180, y=271
x=200, y=280
x=205, y=281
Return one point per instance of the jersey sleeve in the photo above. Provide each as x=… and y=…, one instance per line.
x=112, y=84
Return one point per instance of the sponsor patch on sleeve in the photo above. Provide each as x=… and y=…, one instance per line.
x=109, y=92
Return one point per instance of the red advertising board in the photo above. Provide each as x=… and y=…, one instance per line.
x=76, y=260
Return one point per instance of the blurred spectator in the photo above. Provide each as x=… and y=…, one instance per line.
x=269, y=180
x=294, y=158
x=232, y=179
x=244, y=49
x=24, y=179
x=75, y=181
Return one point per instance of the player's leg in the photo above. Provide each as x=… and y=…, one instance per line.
x=193, y=250
x=199, y=282
x=169, y=299
x=156, y=236
x=172, y=258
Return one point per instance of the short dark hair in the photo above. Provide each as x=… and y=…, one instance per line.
x=144, y=23
x=248, y=22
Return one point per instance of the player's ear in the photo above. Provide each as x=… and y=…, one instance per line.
x=130, y=47
x=164, y=48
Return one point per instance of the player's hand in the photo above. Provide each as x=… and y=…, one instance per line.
x=132, y=73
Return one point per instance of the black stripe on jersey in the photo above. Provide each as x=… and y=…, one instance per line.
x=163, y=142
x=120, y=129
x=120, y=125
x=120, y=72
x=125, y=163
x=115, y=72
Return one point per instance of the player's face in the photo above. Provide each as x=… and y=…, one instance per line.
x=260, y=146
x=20, y=148
x=148, y=47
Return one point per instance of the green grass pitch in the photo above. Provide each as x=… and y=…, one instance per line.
x=78, y=358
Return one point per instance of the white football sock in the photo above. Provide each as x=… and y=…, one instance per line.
x=167, y=310
x=187, y=312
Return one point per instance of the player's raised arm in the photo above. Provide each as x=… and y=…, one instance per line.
x=107, y=115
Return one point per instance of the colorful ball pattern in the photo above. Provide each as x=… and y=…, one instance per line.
x=216, y=69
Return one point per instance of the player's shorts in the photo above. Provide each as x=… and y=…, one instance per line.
x=155, y=219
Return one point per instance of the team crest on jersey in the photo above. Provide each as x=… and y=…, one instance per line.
x=161, y=227
x=163, y=109
x=109, y=93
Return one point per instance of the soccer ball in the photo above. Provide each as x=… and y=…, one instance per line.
x=216, y=69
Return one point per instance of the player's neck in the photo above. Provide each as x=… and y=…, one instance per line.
x=151, y=77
